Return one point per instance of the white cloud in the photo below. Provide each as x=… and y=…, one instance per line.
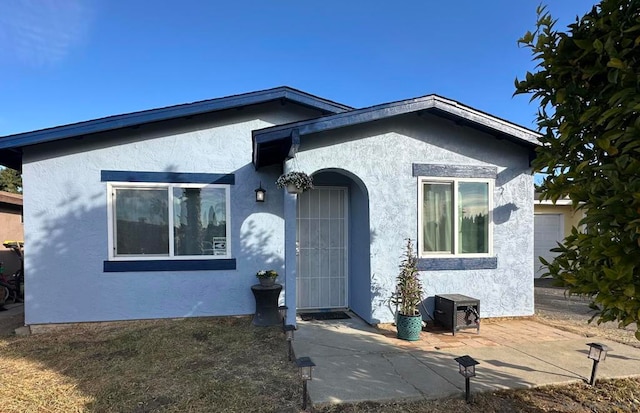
x=42, y=32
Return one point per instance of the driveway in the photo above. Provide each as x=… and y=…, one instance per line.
x=552, y=302
x=572, y=313
x=11, y=317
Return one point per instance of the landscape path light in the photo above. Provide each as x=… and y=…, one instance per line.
x=467, y=366
x=288, y=331
x=597, y=353
x=305, y=368
x=283, y=312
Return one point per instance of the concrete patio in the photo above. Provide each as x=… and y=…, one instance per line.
x=357, y=362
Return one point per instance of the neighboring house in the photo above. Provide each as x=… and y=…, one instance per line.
x=552, y=223
x=153, y=214
x=10, y=229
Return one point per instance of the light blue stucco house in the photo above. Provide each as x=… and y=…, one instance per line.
x=153, y=214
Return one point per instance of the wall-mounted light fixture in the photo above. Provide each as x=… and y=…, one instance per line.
x=261, y=193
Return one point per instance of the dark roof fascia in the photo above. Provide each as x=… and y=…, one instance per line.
x=171, y=112
x=432, y=103
x=11, y=158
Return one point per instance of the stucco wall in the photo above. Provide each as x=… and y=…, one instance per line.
x=381, y=154
x=66, y=215
x=65, y=218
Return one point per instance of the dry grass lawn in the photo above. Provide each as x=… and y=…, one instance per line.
x=217, y=365
x=190, y=365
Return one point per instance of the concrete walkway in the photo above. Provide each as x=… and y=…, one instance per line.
x=12, y=310
x=356, y=362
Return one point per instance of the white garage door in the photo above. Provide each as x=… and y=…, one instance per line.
x=547, y=232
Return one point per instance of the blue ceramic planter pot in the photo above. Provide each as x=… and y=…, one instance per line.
x=409, y=327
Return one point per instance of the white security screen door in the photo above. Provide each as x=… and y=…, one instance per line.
x=322, y=248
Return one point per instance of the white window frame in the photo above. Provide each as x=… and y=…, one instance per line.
x=112, y=186
x=455, y=181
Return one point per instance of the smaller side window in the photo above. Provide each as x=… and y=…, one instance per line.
x=455, y=217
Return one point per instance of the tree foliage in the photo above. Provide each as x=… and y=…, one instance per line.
x=10, y=181
x=587, y=83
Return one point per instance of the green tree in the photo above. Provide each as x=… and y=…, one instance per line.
x=10, y=181
x=587, y=83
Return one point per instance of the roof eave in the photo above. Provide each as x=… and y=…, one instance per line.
x=172, y=112
x=431, y=104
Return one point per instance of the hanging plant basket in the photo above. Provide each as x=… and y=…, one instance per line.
x=292, y=189
x=295, y=182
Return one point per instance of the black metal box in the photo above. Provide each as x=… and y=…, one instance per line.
x=457, y=311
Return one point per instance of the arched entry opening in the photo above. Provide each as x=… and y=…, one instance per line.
x=333, y=244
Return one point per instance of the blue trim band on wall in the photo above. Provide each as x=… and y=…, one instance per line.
x=168, y=177
x=454, y=171
x=169, y=265
x=435, y=264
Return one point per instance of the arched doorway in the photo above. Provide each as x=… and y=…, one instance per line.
x=333, y=242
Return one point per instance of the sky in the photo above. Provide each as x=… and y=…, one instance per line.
x=66, y=61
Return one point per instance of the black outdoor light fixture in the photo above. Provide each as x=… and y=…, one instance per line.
x=288, y=331
x=261, y=193
x=305, y=366
x=597, y=353
x=467, y=366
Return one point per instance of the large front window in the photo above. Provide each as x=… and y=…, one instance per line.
x=455, y=217
x=169, y=220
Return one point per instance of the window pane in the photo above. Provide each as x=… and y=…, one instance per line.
x=473, y=217
x=437, y=217
x=142, y=225
x=200, y=221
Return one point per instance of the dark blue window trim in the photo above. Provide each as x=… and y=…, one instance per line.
x=454, y=171
x=169, y=265
x=168, y=177
x=435, y=264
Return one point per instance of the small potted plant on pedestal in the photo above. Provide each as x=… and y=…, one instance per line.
x=408, y=296
x=295, y=182
x=267, y=277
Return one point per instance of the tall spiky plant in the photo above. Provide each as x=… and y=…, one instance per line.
x=408, y=288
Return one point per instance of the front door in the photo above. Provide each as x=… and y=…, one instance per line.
x=322, y=248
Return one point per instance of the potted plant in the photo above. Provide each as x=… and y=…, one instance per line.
x=295, y=182
x=408, y=296
x=267, y=277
